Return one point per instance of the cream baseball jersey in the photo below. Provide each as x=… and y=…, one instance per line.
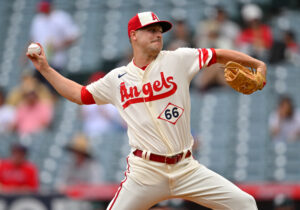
x=155, y=102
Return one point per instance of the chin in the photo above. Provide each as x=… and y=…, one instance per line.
x=155, y=50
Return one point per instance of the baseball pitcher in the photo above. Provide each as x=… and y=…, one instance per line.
x=152, y=95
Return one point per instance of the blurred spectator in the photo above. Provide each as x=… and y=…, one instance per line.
x=256, y=39
x=98, y=120
x=17, y=174
x=284, y=123
x=283, y=202
x=217, y=31
x=180, y=36
x=29, y=82
x=210, y=77
x=7, y=115
x=82, y=169
x=56, y=31
x=33, y=114
x=286, y=49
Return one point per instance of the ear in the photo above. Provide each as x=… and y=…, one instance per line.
x=133, y=35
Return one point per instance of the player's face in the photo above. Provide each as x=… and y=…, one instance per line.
x=150, y=39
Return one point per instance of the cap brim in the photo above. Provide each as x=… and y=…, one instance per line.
x=166, y=25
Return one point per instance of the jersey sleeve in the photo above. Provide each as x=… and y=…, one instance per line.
x=196, y=59
x=86, y=96
x=102, y=90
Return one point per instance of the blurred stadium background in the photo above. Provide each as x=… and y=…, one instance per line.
x=247, y=157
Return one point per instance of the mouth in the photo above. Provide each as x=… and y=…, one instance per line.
x=157, y=40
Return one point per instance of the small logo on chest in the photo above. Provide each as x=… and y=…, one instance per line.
x=151, y=91
x=121, y=75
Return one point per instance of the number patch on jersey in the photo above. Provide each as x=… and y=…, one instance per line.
x=171, y=113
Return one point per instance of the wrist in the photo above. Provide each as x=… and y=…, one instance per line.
x=45, y=68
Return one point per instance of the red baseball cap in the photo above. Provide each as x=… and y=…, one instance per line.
x=143, y=19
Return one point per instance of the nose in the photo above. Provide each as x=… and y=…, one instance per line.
x=159, y=34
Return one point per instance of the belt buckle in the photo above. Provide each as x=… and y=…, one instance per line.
x=173, y=159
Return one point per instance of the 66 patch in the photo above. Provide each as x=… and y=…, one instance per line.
x=171, y=113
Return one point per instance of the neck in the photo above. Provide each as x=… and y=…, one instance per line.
x=143, y=60
x=142, y=57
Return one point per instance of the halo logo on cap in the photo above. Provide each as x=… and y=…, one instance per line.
x=143, y=19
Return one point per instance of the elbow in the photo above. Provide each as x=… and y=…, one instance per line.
x=78, y=102
x=224, y=55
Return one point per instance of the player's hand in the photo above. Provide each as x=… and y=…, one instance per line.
x=39, y=61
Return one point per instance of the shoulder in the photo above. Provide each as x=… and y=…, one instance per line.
x=115, y=72
x=4, y=163
x=266, y=27
x=60, y=14
x=60, y=17
x=179, y=52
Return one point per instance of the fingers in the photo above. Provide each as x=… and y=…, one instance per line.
x=42, y=49
x=29, y=56
x=32, y=56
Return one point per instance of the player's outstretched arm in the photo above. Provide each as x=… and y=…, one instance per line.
x=64, y=86
x=223, y=56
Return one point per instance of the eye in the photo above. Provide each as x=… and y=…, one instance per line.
x=154, y=30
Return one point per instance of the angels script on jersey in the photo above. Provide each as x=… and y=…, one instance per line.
x=131, y=95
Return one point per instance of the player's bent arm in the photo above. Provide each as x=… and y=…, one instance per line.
x=223, y=56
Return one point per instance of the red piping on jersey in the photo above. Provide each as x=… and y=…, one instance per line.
x=121, y=185
x=214, y=57
x=204, y=53
x=86, y=96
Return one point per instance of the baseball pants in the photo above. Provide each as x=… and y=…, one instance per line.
x=147, y=183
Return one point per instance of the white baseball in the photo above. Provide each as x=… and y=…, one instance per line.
x=34, y=48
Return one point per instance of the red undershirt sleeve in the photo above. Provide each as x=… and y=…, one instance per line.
x=86, y=96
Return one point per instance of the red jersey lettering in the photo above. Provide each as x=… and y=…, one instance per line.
x=148, y=90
